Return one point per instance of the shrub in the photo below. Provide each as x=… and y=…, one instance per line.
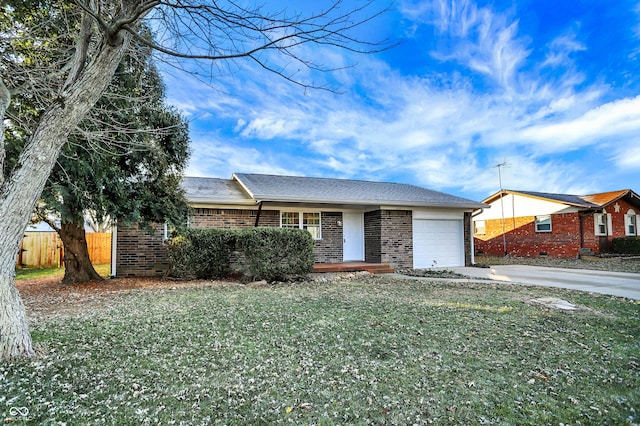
x=626, y=245
x=178, y=252
x=258, y=253
x=201, y=253
x=274, y=253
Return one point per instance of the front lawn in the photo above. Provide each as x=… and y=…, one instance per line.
x=373, y=350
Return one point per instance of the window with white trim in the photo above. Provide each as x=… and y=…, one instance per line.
x=631, y=223
x=543, y=223
x=600, y=220
x=309, y=221
x=479, y=227
x=290, y=220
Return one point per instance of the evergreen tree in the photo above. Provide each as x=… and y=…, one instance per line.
x=134, y=177
x=124, y=162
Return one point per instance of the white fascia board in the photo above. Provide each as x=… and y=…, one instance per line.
x=388, y=204
x=217, y=204
x=218, y=200
x=237, y=179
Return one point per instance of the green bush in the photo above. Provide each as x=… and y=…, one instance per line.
x=626, y=245
x=201, y=253
x=273, y=254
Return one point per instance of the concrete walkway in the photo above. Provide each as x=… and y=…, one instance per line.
x=614, y=283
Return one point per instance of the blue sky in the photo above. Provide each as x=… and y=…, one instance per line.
x=552, y=88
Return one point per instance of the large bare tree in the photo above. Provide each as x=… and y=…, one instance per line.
x=201, y=30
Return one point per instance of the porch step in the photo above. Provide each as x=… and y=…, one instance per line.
x=373, y=268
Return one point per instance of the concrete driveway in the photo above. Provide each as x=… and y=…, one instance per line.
x=614, y=283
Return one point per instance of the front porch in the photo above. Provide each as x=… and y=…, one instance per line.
x=374, y=268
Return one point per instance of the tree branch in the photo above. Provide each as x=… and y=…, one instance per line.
x=192, y=29
x=42, y=216
x=79, y=58
x=5, y=100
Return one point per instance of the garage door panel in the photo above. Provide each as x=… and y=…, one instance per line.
x=437, y=243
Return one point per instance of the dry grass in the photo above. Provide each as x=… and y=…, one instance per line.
x=369, y=350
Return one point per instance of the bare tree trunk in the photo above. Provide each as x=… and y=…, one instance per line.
x=77, y=265
x=14, y=333
x=20, y=192
x=5, y=100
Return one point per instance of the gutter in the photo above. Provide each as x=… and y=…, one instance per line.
x=394, y=203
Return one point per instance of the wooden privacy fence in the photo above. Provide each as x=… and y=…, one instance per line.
x=45, y=249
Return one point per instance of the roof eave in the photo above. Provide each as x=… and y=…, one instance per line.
x=496, y=196
x=395, y=203
x=206, y=200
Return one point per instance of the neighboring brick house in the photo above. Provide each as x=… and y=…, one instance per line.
x=350, y=220
x=555, y=225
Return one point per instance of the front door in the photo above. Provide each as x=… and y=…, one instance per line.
x=353, y=236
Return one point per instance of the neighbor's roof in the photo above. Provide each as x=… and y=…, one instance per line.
x=605, y=198
x=584, y=201
x=250, y=189
x=569, y=199
x=345, y=191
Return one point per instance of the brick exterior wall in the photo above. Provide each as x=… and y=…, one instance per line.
x=466, y=232
x=373, y=236
x=232, y=218
x=563, y=241
x=329, y=248
x=618, y=218
x=522, y=239
x=143, y=254
x=388, y=236
x=140, y=253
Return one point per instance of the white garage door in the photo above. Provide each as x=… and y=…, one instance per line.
x=437, y=243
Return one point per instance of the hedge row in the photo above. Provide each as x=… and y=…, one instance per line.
x=626, y=245
x=271, y=254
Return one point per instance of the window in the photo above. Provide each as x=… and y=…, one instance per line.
x=290, y=220
x=631, y=223
x=600, y=223
x=479, y=227
x=311, y=222
x=543, y=223
x=303, y=220
x=169, y=231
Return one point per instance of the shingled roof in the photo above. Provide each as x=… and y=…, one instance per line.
x=214, y=190
x=342, y=191
x=605, y=198
x=572, y=200
x=246, y=188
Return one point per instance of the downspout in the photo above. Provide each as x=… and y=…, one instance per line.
x=258, y=215
x=114, y=249
x=473, y=248
x=581, y=222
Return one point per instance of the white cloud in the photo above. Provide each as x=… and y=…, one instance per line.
x=628, y=157
x=215, y=157
x=438, y=129
x=561, y=48
x=611, y=120
x=483, y=40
